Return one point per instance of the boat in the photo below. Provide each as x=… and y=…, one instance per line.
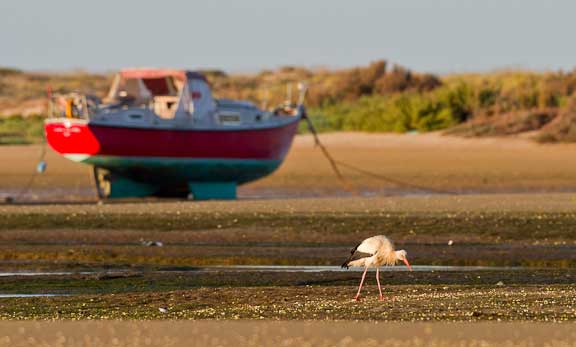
x=161, y=132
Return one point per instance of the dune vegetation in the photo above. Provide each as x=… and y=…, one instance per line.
x=373, y=98
x=17, y=130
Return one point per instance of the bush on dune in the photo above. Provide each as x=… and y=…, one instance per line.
x=400, y=112
x=495, y=104
x=508, y=124
x=563, y=127
x=16, y=129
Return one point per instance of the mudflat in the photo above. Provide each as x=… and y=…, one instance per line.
x=511, y=210
x=111, y=271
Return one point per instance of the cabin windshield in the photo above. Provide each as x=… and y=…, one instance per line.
x=161, y=94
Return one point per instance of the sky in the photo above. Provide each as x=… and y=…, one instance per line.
x=437, y=36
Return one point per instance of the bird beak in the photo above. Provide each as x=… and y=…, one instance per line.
x=407, y=264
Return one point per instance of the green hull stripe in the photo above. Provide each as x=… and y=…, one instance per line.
x=162, y=169
x=106, y=160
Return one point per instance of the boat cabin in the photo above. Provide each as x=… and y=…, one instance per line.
x=168, y=93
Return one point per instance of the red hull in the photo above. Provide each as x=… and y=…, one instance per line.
x=90, y=139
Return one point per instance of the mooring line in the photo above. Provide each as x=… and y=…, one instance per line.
x=345, y=184
x=32, y=178
x=348, y=186
x=395, y=181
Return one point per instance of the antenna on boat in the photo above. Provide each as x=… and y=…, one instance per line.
x=302, y=89
x=288, y=94
x=266, y=98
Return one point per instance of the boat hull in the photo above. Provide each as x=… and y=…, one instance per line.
x=163, y=159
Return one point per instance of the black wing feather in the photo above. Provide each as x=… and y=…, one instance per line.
x=355, y=255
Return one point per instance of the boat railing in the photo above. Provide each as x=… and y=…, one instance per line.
x=72, y=105
x=290, y=107
x=85, y=106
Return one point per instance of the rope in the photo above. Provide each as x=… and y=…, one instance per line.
x=32, y=178
x=346, y=184
x=395, y=181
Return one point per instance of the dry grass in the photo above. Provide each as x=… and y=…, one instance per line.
x=524, y=122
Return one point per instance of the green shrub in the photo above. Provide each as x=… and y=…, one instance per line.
x=7, y=71
x=21, y=130
x=438, y=109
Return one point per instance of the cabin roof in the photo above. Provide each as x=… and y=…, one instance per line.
x=147, y=73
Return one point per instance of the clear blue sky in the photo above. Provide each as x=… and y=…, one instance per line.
x=248, y=35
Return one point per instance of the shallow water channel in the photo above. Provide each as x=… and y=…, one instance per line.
x=261, y=268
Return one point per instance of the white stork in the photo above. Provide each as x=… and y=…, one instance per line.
x=375, y=251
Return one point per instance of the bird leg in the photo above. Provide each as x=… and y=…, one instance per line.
x=378, y=281
x=357, y=297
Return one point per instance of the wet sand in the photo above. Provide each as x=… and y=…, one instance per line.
x=249, y=333
x=440, y=162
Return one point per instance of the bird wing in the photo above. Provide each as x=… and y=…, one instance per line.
x=374, y=244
